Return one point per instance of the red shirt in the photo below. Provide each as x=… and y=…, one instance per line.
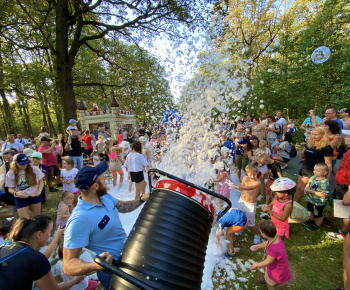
x=343, y=174
x=48, y=159
x=87, y=139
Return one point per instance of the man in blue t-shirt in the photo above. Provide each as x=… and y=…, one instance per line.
x=331, y=114
x=311, y=122
x=94, y=224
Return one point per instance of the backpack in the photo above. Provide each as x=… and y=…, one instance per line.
x=341, y=151
x=4, y=259
x=293, y=152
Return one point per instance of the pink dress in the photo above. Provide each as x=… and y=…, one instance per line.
x=61, y=222
x=282, y=227
x=222, y=187
x=278, y=271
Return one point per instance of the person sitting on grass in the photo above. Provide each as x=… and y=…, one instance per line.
x=275, y=257
x=250, y=189
x=316, y=195
x=281, y=207
x=235, y=221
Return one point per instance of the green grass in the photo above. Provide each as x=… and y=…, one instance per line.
x=315, y=260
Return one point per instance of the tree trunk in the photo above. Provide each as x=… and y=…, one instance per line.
x=51, y=126
x=29, y=125
x=20, y=110
x=56, y=101
x=6, y=105
x=64, y=62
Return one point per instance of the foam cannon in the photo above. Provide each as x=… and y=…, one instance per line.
x=167, y=245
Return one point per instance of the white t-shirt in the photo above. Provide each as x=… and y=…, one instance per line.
x=96, y=160
x=284, y=146
x=15, y=145
x=22, y=185
x=135, y=161
x=58, y=270
x=68, y=175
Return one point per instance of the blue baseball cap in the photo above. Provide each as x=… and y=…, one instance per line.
x=21, y=159
x=72, y=121
x=87, y=176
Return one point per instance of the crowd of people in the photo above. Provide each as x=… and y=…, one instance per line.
x=254, y=149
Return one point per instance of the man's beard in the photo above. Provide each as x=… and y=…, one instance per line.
x=102, y=190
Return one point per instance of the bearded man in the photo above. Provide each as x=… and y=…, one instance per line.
x=94, y=224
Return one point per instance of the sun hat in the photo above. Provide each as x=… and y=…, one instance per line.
x=28, y=152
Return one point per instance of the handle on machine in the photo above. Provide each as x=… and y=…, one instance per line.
x=102, y=262
x=200, y=188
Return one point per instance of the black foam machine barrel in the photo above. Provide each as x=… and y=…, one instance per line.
x=166, y=247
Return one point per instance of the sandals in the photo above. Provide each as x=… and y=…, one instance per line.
x=229, y=254
x=262, y=280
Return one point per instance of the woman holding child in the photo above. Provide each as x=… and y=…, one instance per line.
x=316, y=150
x=258, y=130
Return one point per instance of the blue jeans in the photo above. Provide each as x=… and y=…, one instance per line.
x=78, y=161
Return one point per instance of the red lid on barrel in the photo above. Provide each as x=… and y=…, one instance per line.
x=188, y=191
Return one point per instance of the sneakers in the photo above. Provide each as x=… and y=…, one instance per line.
x=308, y=222
x=284, y=166
x=229, y=254
x=266, y=216
x=326, y=222
x=313, y=228
x=59, y=184
x=256, y=240
x=336, y=236
x=52, y=189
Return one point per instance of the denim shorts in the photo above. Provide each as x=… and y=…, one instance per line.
x=24, y=202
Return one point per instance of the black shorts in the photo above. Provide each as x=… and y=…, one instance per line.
x=316, y=210
x=306, y=173
x=137, y=176
x=51, y=172
x=24, y=202
x=339, y=191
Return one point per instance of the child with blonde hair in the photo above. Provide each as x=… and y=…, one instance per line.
x=222, y=180
x=316, y=195
x=68, y=174
x=64, y=209
x=250, y=188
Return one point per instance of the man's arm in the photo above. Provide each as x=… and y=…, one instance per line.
x=130, y=205
x=73, y=266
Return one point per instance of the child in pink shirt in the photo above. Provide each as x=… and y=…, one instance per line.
x=275, y=260
x=281, y=207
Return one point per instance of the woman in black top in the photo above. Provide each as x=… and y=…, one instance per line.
x=316, y=150
x=30, y=265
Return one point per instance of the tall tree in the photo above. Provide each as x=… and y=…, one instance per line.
x=67, y=26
